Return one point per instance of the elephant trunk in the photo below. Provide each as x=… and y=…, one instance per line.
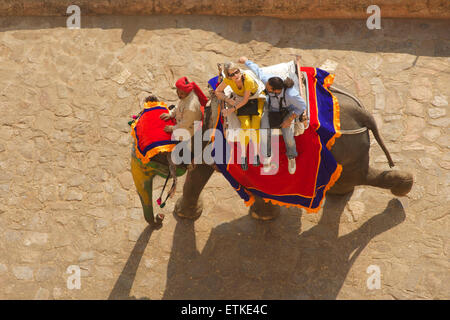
x=399, y=182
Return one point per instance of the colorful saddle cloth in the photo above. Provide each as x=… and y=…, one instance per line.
x=317, y=170
x=148, y=132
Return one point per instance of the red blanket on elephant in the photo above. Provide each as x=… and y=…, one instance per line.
x=148, y=132
x=317, y=169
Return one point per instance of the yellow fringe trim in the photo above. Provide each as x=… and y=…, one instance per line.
x=153, y=152
x=152, y=104
x=334, y=177
x=336, y=121
x=328, y=81
x=250, y=201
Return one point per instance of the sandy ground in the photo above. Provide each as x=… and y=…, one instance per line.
x=68, y=199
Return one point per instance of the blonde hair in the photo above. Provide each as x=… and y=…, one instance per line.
x=227, y=66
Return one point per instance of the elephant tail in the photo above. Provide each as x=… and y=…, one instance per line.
x=372, y=125
x=369, y=123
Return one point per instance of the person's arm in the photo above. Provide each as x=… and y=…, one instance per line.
x=189, y=116
x=248, y=84
x=221, y=94
x=244, y=100
x=172, y=112
x=296, y=106
x=188, y=119
x=169, y=115
x=287, y=123
x=295, y=102
x=257, y=70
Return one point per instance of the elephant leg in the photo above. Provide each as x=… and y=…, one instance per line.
x=262, y=210
x=399, y=182
x=189, y=206
x=143, y=180
x=348, y=180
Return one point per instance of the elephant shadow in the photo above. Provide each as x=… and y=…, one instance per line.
x=248, y=259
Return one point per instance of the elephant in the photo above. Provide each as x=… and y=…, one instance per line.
x=351, y=150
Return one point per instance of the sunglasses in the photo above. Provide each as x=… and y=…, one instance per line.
x=231, y=75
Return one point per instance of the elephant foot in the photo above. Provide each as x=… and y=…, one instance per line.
x=260, y=210
x=155, y=222
x=188, y=211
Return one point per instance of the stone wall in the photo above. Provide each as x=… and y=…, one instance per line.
x=287, y=9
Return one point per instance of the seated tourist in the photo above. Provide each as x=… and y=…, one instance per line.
x=246, y=105
x=284, y=104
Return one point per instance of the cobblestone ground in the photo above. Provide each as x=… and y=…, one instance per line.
x=67, y=195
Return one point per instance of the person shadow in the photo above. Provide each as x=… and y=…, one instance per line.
x=122, y=287
x=249, y=259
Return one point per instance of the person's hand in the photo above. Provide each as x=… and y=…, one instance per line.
x=242, y=59
x=230, y=102
x=286, y=123
x=227, y=112
x=168, y=129
x=164, y=116
x=304, y=118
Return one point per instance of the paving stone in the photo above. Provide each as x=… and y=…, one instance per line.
x=57, y=293
x=329, y=66
x=63, y=110
x=122, y=77
x=440, y=101
x=442, y=122
x=415, y=108
x=42, y=294
x=23, y=273
x=421, y=89
x=426, y=162
x=415, y=146
x=86, y=255
x=3, y=268
x=37, y=238
x=432, y=134
x=45, y=274
x=356, y=209
x=74, y=195
x=435, y=113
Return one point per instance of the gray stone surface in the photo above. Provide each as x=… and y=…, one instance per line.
x=68, y=197
x=23, y=273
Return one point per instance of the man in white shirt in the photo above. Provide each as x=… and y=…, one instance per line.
x=279, y=95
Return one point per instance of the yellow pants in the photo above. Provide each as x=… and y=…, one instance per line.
x=251, y=122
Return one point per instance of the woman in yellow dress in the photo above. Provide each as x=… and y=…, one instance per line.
x=247, y=87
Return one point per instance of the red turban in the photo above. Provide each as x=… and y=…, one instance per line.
x=184, y=85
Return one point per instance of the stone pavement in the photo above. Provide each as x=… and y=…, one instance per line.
x=67, y=195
